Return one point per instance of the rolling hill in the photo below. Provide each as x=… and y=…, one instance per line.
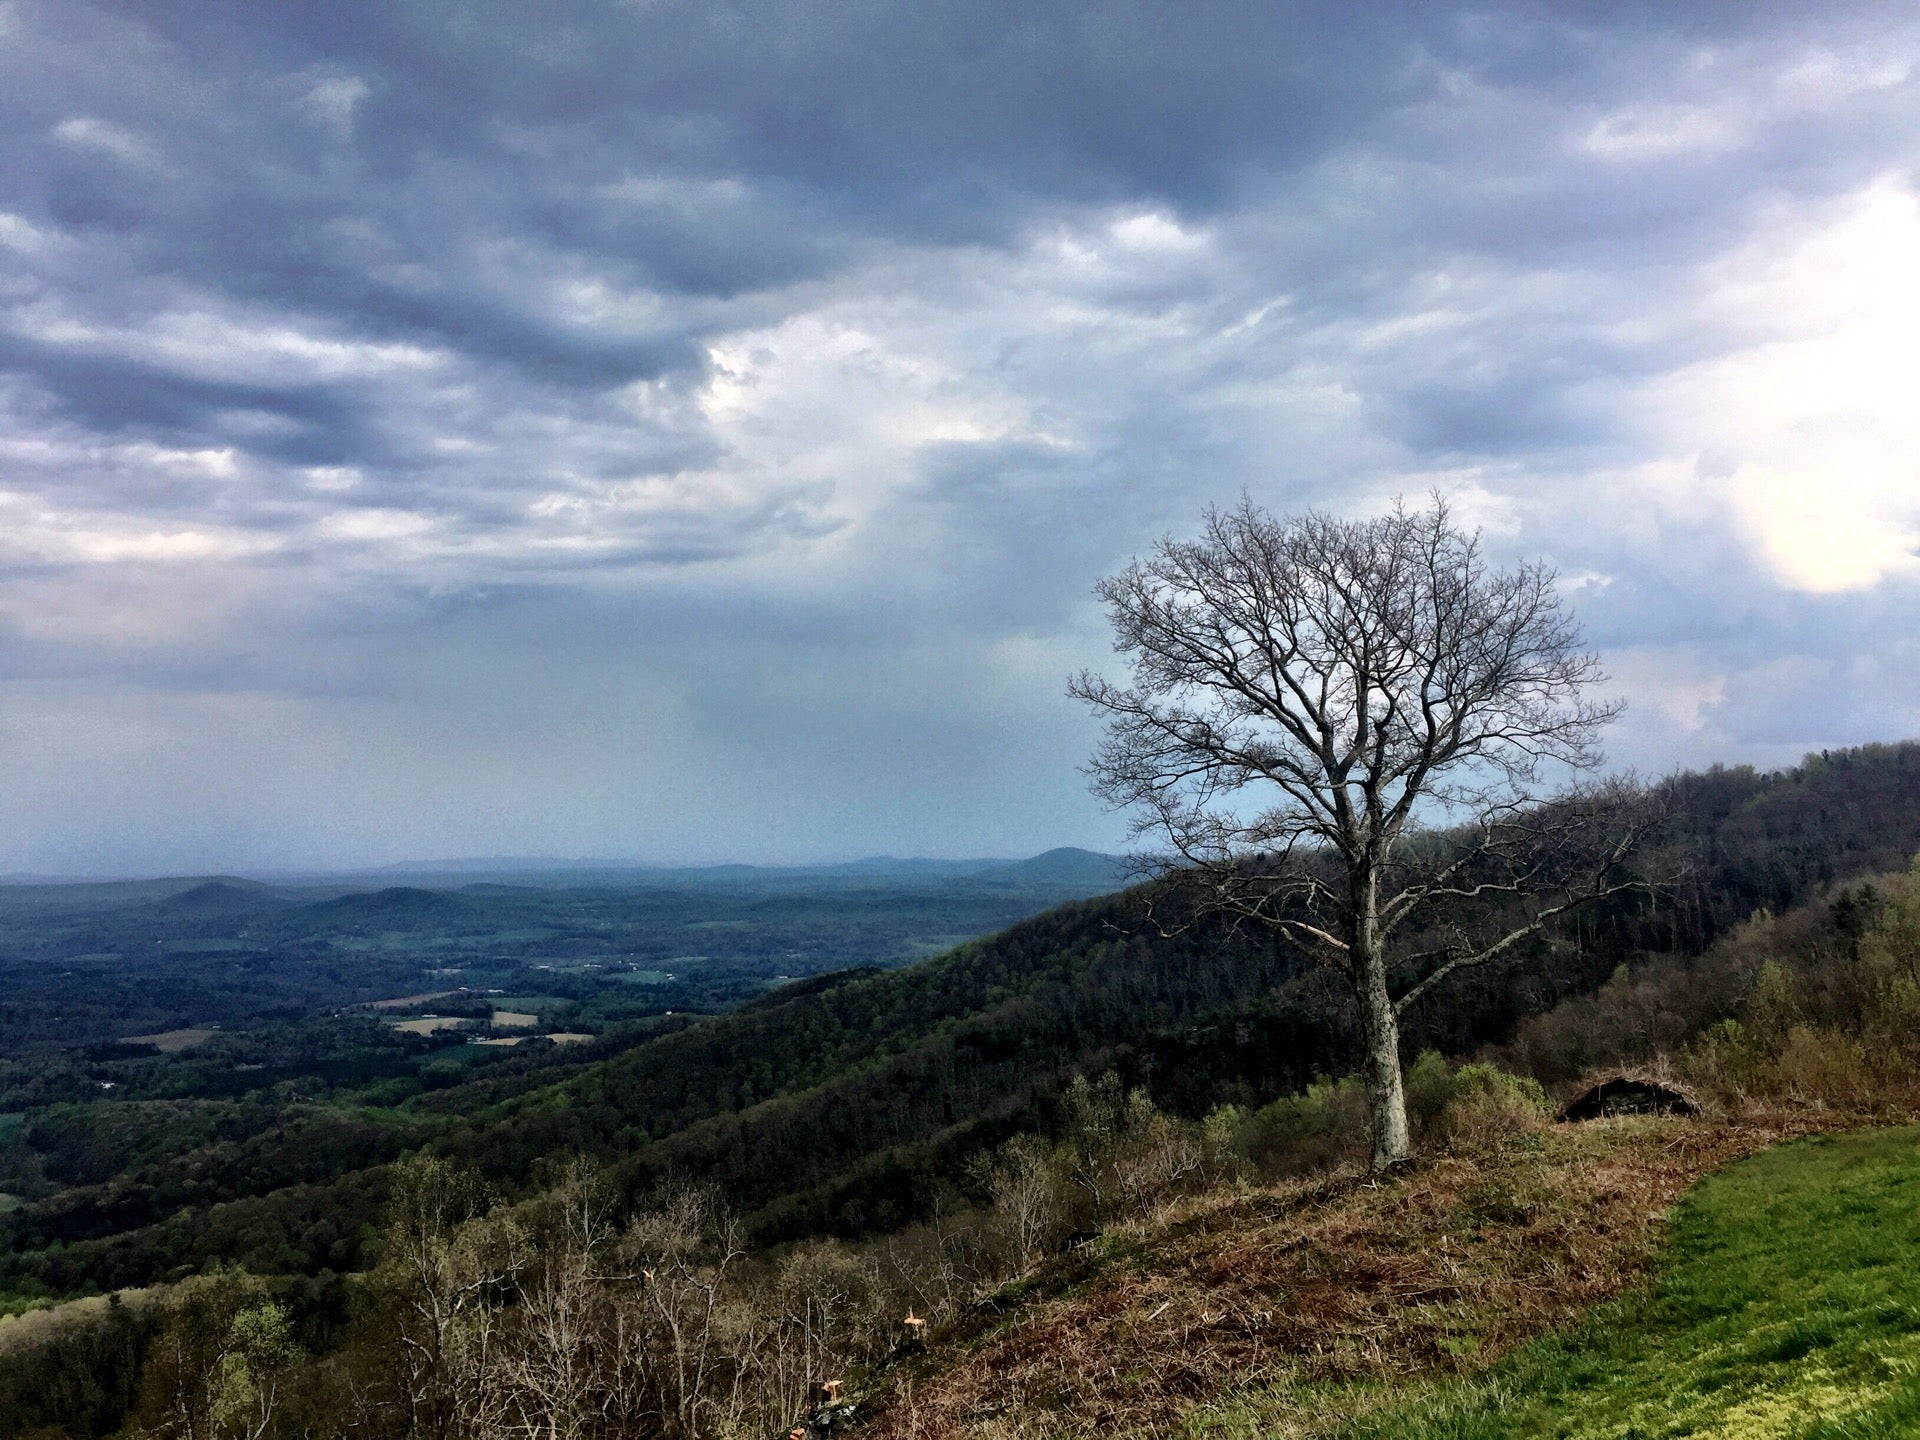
x=846, y=1105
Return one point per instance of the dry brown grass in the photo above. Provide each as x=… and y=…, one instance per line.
x=432, y=1024
x=1445, y=1267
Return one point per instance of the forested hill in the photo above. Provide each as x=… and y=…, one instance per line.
x=845, y=1107
x=844, y=1103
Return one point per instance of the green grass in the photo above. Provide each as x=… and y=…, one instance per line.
x=1786, y=1304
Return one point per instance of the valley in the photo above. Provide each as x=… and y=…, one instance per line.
x=1081, y=1107
x=267, y=1036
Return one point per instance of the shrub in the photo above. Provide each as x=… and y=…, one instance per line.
x=1889, y=967
x=1322, y=1127
x=1726, y=1060
x=1122, y=1154
x=1221, y=1156
x=1429, y=1086
x=1823, y=1066
x=1773, y=1007
x=1489, y=1105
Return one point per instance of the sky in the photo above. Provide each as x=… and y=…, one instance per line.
x=684, y=432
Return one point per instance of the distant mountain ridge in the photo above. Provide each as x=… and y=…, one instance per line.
x=1085, y=872
x=1067, y=865
x=220, y=896
x=1064, y=864
x=398, y=905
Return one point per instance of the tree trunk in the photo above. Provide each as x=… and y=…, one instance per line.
x=1386, y=1098
x=1380, y=1032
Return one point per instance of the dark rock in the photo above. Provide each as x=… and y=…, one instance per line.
x=1628, y=1095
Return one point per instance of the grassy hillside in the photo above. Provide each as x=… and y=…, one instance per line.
x=1785, y=1290
x=1355, y=1307
x=1786, y=1303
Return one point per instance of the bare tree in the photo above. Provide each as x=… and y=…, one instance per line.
x=1023, y=1185
x=556, y=1369
x=447, y=1265
x=1343, y=730
x=686, y=1254
x=215, y=1369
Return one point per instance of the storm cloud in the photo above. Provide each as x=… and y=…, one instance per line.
x=692, y=431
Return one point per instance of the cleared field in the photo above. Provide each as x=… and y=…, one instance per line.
x=432, y=1024
x=558, y=1037
x=172, y=1042
x=934, y=945
x=514, y=1020
x=401, y=1002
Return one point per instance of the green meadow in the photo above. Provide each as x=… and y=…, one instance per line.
x=1785, y=1306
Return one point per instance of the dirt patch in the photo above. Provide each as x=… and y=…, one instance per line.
x=514, y=1020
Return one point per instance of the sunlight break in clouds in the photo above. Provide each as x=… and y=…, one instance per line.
x=1812, y=413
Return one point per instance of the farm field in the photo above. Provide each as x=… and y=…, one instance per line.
x=172, y=1042
x=431, y=1024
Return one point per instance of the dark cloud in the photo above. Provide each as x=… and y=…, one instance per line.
x=692, y=429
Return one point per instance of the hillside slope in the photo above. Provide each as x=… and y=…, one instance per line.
x=846, y=1107
x=844, y=1110
x=1786, y=1302
x=1787, y=1285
